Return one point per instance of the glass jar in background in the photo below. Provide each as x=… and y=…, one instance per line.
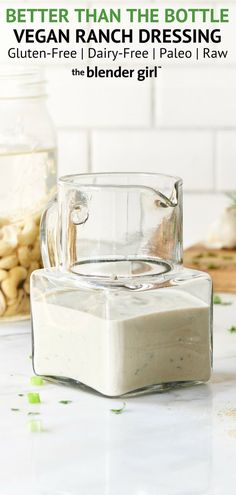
x=27, y=181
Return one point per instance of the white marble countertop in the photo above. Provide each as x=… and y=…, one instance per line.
x=178, y=443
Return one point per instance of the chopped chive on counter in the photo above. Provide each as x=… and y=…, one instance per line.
x=217, y=300
x=212, y=266
x=65, y=401
x=36, y=380
x=31, y=413
x=232, y=329
x=119, y=411
x=14, y=409
x=33, y=398
x=35, y=426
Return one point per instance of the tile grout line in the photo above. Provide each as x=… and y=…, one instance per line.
x=119, y=128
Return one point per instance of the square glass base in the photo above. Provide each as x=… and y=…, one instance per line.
x=123, y=340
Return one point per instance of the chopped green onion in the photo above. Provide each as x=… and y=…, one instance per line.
x=212, y=266
x=35, y=426
x=65, y=401
x=14, y=409
x=119, y=411
x=232, y=329
x=217, y=300
x=33, y=398
x=36, y=380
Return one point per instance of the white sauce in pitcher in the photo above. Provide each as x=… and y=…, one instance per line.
x=164, y=340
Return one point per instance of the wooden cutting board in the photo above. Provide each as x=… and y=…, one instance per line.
x=219, y=263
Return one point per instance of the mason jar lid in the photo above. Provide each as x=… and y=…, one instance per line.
x=21, y=82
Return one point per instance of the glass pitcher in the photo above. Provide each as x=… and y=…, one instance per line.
x=114, y=309
x=27, y=181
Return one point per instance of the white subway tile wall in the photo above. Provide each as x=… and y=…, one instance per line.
x=96, y=103
x=183, y=123
x=200, y=97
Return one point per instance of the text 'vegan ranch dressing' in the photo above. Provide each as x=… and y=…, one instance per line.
x=153, y=340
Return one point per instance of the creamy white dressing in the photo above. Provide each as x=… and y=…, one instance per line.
x=121, y=347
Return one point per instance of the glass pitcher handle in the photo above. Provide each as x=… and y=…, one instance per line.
x=50, y=236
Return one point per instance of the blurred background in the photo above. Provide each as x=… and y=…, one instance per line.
x=182, y=123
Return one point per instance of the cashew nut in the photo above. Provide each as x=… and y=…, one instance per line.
x=34, y=265
x=3, y=275
x=11, y=310
x=11, y=284
x=9, y=261
x=4, y=221
x=28, y=233
x=37, y=217
x=24, y=306
x=14, y=307
x=26, y=286
x=20, y=305
x=2, y=303
x=35, y=252
x=24, y=256
x=8, y=239
x=11, y=302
